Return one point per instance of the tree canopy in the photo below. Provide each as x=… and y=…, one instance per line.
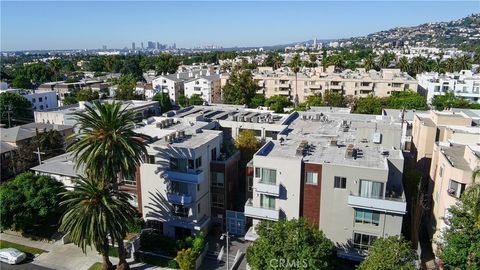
x=166, y=63
x=126, y=88
x=163, y=101
x=449, y=100
x=240, y=88
x=277, y=103
x=460, y=248
x=20, y=107
x=290, y=241
x=30, y=202
x=392, y=252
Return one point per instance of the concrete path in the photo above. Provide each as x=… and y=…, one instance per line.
x=67, y=257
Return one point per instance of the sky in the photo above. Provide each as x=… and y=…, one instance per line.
x=116, y=24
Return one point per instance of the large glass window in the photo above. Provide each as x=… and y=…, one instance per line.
x=455, y=188
x=371, y=189
x=218, y=179
x=179, y=210
x=267, y=201
x=178, y=164
x=363, y=241
x=367, y=217
x=267, y=176
x=311, y=178
x=218, y=200
x=198, y=162
x=178, y=187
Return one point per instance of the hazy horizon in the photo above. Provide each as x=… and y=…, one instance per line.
x=89, y=25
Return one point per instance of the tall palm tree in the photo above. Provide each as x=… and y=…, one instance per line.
x=463, y=62
x=450, y=65
x=369, y=62
x=107, y=147
x=385, y=59
x=403, y=64
x=94, y=212
x=277, y=61
x=295, y=67
x=438, y=66
x=419, y=65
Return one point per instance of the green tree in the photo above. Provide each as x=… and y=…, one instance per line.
x=186, y=259
x=407, y=100
x=295, y=65
x=257, y=100
x=291, y=241
x=163, y=101
x=50, y=142
x=460, y=248
x=463, y=63
x=370, y=105
x=87, y=95
x=240, y=88
x=19, y=107
x=21, y=81
x=274, y=60
x=126, y=88
x=450, y=65
x=131, y=67
x=166, y=63
x=248, y=144
x=403, y=64
x=315, y=100
x=107, y=146
x=449, y=100
x=96, y=211
x=182, y=101
x=277, y=103
x=195, y=99
x=369, y=62
x=70, y=99
x=419, y=65
x=30, y=203
x=333, y=99
x=385, y=59
x=390, y=253
x=96, y=64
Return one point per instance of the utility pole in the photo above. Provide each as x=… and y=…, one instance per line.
x=227, y=236
x=39, y=155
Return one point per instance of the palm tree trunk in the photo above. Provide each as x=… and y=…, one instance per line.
x=122, y=256
x=295, y=101
x=106, y=263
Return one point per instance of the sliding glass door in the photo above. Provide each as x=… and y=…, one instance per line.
x=371, y=189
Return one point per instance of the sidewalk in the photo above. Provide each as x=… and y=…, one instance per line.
x=67, y=257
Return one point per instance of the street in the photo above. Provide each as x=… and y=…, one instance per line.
x=22, y=266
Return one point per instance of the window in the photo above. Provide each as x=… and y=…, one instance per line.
x=179, y=210
x=191, y=164
x=218, y=179
x=267, y=201
x=250, y=183
x=41, y=107
x=217, y=200
x=198, y=162
x=371, y=189
x=198, y=208
x=45, y=97
x=213, y=153
x=455, y=189
x=40, y=99
x=363, y=241
x=311, y=178
x=340, y=182
x=178, y=164
x=178, y=187
x=267, y=176
x=367, y=217
x=440, y=173
x=198, y=187
x=33, y=100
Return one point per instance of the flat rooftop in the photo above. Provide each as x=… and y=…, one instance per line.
x=59, y=165
x=131, y=104
x=454, y=154
x=331, y=137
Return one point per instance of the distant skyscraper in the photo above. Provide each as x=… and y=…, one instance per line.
x=159, y=47
x=315, y=43
x=133, y=46
x=104, y=47
x=142, y=45
x=151, y=45
x=174, y=46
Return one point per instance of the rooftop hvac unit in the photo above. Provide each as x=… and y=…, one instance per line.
x=240, y=119
x=254, y=119
x=349, y=153
x=246, y=119
x=234, y=118
x=377, y=138
x=159, y=125
x=333, y=143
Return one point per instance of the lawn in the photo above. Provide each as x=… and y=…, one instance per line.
x=96, y=266
x=26, y=249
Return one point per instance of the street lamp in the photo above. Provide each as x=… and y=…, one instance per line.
x=225, y=235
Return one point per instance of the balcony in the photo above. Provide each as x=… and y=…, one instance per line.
x=178, y=198
x=189, y=176
x=260, y=213
x=396, y=205
x=266, y=188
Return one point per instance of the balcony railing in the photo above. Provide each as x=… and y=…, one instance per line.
x=179, y=198
x=391, y=204
x=260, y=212
x=266, y=187
x=189, y=176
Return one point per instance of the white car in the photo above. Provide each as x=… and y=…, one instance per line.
x=11, y=255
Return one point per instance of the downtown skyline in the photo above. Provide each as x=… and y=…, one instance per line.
x=90, y=25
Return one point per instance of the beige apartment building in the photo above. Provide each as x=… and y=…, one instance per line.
x=451, y=171
x=316, y=81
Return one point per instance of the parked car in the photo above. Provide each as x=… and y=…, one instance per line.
x=11, y=255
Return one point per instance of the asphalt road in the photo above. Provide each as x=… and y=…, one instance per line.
x=22, y=266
